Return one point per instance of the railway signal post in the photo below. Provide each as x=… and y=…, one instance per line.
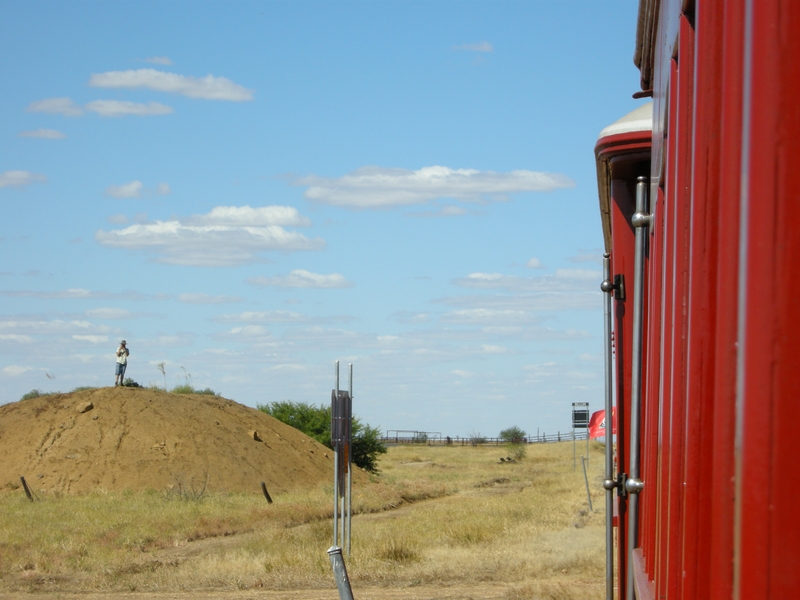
x=341, y=433
x=580, y=420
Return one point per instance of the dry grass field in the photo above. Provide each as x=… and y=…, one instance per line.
x=438, y=522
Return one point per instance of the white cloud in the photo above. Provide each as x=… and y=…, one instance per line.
x=270, y=316
x=541, y=301
x=48, y=134
x=15, y=370
x=117, y=219
x=51, y=327
x=136, y=189
x=108, y=313
x=126, y=190
x=489, y=349
x=19, y=178
x=250, y=331
x=207, y=299
x=563, y=280
x=489, y=316
x=447, y=210
x=223, y=237
x=207, y=88
x=76, y=293
x=121, y=108
x=56, y=106
x=479, y=47
x=462, y=373
x=558, y=372
x=247, y=216
x=377, y=187
x=288, y=367
x=12, y=337
x=534, y=263
x=409, y=317
x=158, y=60
x=300, y=278
x=94, y=339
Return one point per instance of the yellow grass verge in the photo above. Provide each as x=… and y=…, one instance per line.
x=436, y=516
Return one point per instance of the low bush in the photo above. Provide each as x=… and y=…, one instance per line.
x=33, y=394
x=513, y=435
x=476, y=439
x=315, y=422
x=188, y=388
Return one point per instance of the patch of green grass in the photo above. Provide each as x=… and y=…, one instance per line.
x=188, y=388
x=35, y=394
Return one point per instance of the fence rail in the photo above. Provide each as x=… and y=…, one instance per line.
x=392, y=440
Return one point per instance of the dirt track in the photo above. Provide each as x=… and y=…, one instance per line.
x=415, y=593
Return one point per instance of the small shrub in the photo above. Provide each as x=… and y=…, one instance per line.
x=476, y=439
x=130, y=383
x=513, y=435
x=183, y=389
x=315, y=422
x=187, y=388
x=207, y=392
x=192, y=489
x=517, y=451
x=32, y=394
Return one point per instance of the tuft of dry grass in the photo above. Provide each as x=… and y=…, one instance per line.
x=436, y=516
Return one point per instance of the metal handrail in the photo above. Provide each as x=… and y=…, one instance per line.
x=640, y=220
x=609, y=482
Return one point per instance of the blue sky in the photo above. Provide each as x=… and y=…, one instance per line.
x=250, y=191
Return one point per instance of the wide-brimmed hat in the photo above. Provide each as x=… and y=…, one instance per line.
x=123, y=342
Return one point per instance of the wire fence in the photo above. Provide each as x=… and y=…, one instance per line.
x=399, y=437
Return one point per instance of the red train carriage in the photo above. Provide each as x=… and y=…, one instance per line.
x=700, y=202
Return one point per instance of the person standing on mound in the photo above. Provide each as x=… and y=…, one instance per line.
x=122, y=362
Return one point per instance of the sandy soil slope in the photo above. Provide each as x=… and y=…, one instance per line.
x=138, y=439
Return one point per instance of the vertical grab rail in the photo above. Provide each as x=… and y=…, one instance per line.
x=640, y=220
x=609, y=482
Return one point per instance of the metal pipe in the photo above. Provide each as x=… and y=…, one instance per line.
x=334, y=404
x=609, y=482
x=586, y=481
x=335, y=497
x=350, y=466
x=340, y=573
x=634, y=485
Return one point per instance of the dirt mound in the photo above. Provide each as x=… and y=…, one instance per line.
x=137, y=439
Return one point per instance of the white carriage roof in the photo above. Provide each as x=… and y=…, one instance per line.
x=640, y=119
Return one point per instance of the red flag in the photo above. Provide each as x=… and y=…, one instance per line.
x=597, y=423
